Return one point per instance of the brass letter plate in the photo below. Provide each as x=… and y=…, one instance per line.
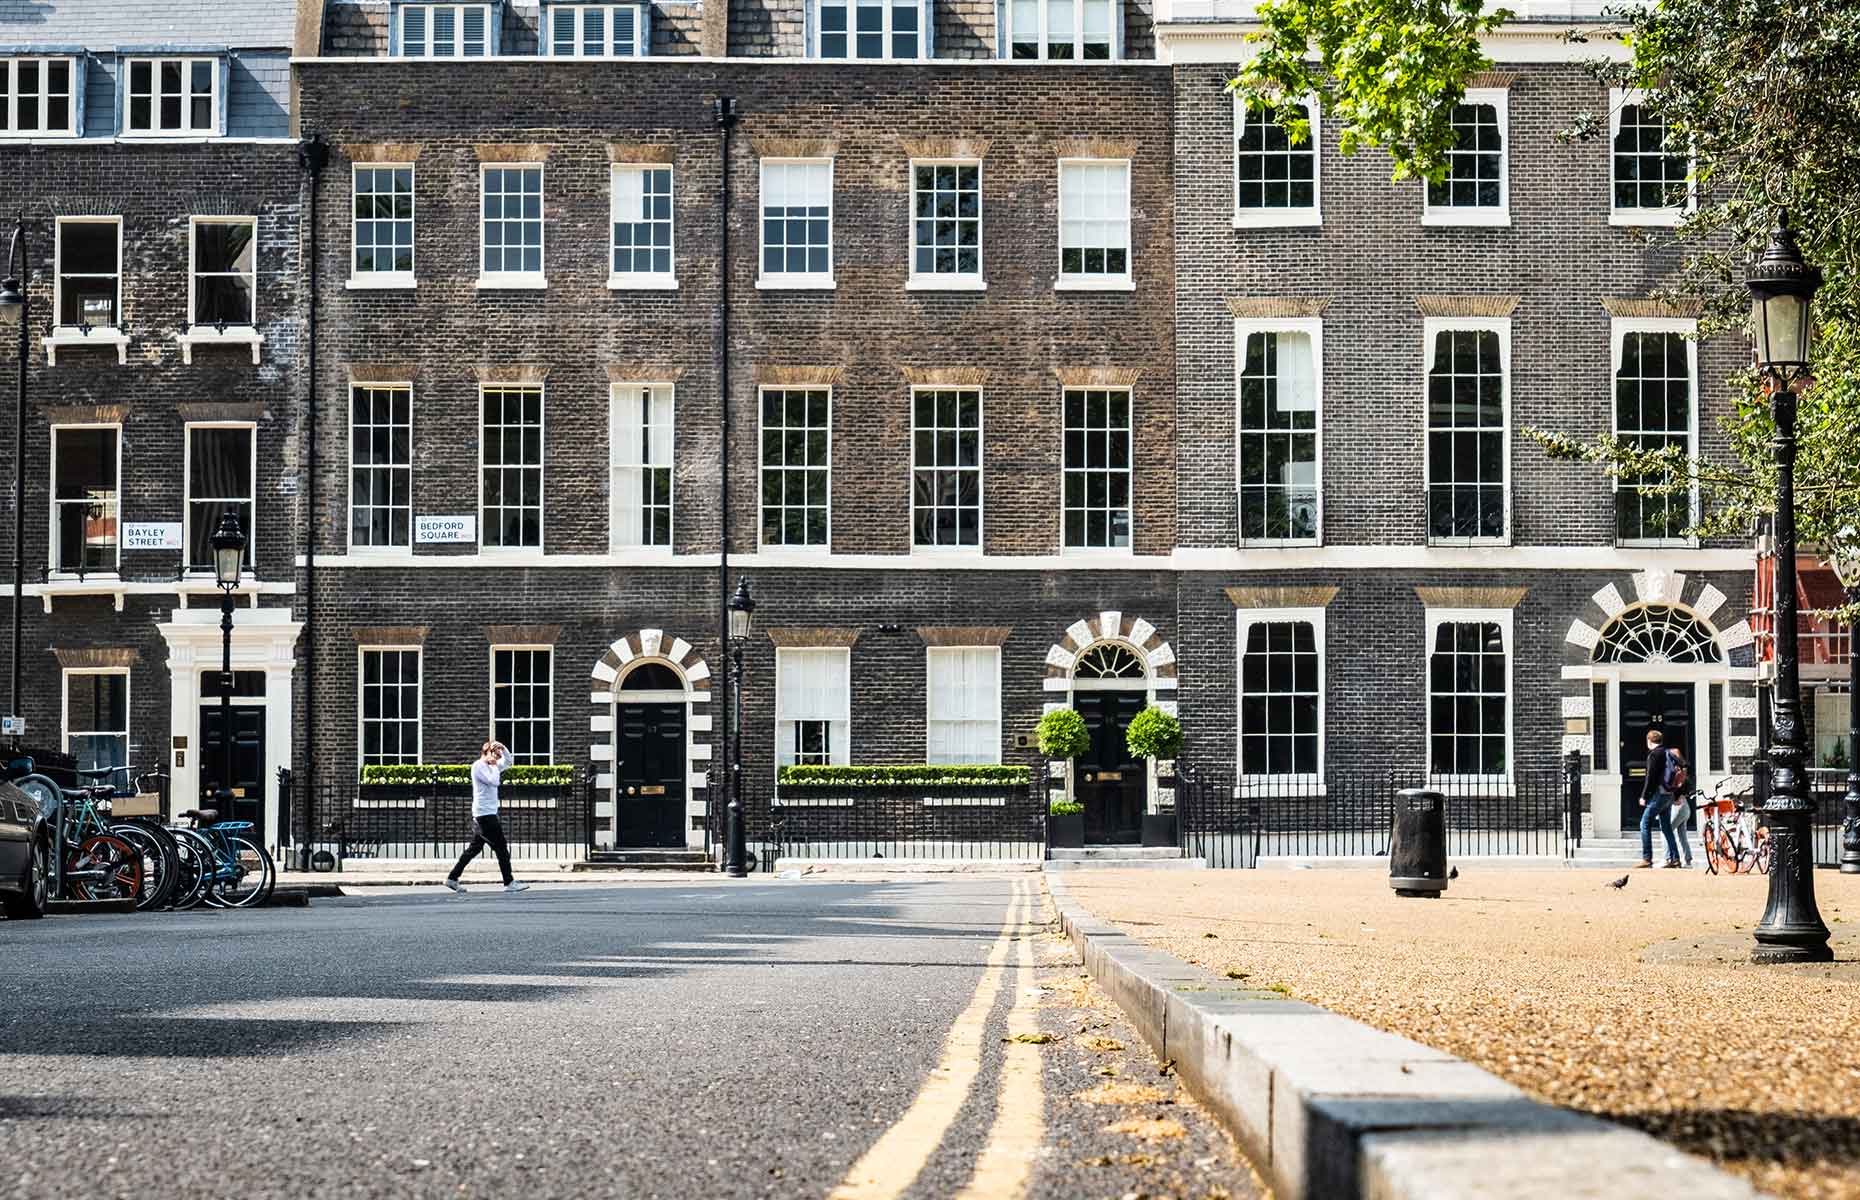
x=653, y=789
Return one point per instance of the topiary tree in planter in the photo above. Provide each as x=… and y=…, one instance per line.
x=1153, y=733
x=1063, y=735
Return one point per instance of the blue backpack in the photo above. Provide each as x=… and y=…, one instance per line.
x=1676, y=775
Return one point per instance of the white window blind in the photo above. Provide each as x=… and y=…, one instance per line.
x=965, y=704
x=813, y=700
x=642, y=464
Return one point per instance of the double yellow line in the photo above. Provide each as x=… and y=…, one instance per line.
x=895, y=1161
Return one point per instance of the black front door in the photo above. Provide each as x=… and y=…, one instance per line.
x=1663, y=706
x=1110, y=783
x=248, y=781
x=649, y=775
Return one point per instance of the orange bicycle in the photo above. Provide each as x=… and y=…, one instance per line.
x=1734, y=839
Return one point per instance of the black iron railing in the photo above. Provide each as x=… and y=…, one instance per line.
x=344, y=822
x=924, y=821
x=1234, y=822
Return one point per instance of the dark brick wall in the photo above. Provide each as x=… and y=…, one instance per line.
x=1020, y=330
x=155, y=190
x=1370, y=259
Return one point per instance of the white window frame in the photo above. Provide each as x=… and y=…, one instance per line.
x=188, y=499
x=58, y=277
x=579, y=14
x=1619, y=99
x=9, y=120
x=618, y=499
x=1006, y=49
x=193, y=273
x=522, y=280
x=361, y=707
x=643, y=280
x=491, y=706
x=373, y=277
x=64, y=709
x=458, y=30
x=1445, y=214
x=412, y=508
x=1434, y=618
x=839, y=754
x=981, y=467
x=542, y=471
x=947, y=281
x=767, y=547
x=51, y=556
x=930, y=654
x=793, y=280
x=1431, y=328
x=1129, y=468
x=1244, y=328
x=1688, y=328
x=1282, y=218
x=214, y=99
x=1244, y=620
x=924, y=16
x=1064, y=282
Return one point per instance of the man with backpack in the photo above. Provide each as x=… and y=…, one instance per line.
x=1666, y=778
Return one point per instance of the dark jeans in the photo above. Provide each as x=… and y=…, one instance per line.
x=1659, y=807
x=490, y=833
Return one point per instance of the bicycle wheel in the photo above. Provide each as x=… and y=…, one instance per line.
x=105, y=867
x=158, y=864
x=1714, y=847
x=247, y=880
x=194, y=855
x=1760, y=855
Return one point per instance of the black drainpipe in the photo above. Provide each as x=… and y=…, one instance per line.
x=312, y=155
x=726, y=119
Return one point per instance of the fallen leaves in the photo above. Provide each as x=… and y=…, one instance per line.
x=1150, y=1129
x=1103, y=1045
x=1030, y=1039
x=1120, y=1093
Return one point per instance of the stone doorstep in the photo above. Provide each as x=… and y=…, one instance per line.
x=1328, y=1107
x=1126, y=864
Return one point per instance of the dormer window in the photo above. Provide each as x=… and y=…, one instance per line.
x=172, y=97
x=38, y=97
x=445, y=30
x=875, y=29
x=598, y=30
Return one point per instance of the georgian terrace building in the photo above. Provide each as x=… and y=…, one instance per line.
x=1376, y=565
x=153, y=156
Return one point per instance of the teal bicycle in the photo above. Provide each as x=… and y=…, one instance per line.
x=233, y=870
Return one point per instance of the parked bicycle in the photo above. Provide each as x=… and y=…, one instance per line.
x=236, y=872
x=95, y=863
x=1734, y=841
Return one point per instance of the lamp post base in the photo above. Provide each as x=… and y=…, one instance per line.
x=1791, y=930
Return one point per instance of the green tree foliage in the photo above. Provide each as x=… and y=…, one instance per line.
x=1153, y=733
x=1063, y=735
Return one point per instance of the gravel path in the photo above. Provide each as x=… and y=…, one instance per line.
x=1539, y=977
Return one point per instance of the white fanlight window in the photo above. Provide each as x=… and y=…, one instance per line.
x=964, y=704
x=813, y=707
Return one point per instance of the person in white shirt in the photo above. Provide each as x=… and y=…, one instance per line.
x=486, y=774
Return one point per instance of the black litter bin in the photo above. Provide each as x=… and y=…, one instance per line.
x=1418, y=843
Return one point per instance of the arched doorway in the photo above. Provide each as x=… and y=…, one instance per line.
x=651, y=726
x=1110, y=686
x=1660, y=661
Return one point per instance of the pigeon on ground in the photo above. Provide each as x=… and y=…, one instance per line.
x=1618, y=884
x=1454, y=873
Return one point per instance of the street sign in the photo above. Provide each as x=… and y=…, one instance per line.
x=430, y=530
x=152, y=535
x=12, y=727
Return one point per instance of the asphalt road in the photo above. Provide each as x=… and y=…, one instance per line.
x=704, y=1039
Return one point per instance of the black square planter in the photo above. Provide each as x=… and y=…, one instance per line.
x=1065, y=832
x=1159, y=829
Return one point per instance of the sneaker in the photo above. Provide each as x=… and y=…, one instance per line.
x=516, y=886
x=456, y=886
x=1643, y=864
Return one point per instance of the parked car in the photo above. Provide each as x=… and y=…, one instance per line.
x=25, y=846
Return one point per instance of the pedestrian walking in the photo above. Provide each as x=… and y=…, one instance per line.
x=1656, y=799
x=486, y=774
x=1680, y=784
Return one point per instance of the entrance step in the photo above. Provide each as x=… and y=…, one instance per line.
x=1121, y=858
x=646, y=860
x=1091, y=853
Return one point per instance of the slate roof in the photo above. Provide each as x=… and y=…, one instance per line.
x=107, y=24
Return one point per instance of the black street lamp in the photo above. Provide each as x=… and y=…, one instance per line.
x=228, y=557
x=15, y=306
x=735, y=838
x=1782, y=291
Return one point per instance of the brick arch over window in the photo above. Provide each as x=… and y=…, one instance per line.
x=654, y=646
x=1110, y=626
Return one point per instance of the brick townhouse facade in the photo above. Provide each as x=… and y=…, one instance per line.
x=1357, y=362
x=1050, y=381
x=156, y=165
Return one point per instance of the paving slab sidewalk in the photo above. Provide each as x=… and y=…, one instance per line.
x=1330, y=1108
